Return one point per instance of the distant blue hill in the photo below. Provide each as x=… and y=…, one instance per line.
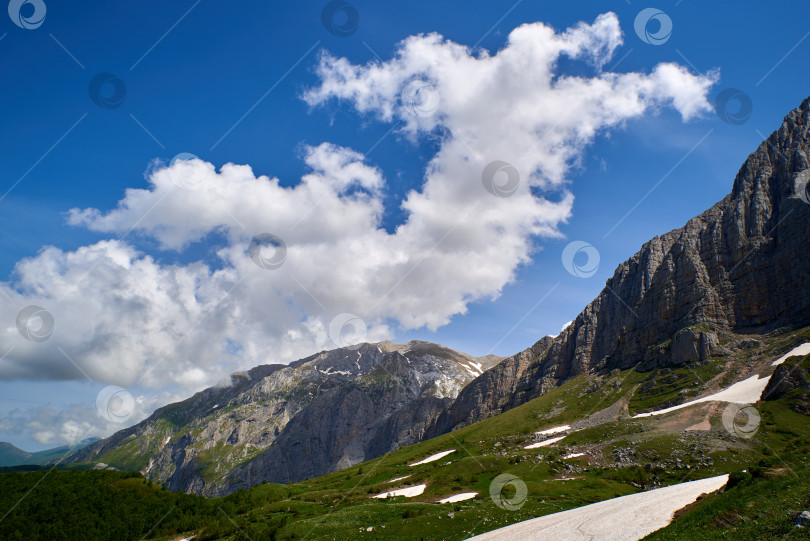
x=11, y=455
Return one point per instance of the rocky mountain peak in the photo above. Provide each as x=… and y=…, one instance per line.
x=741, y=266
x=283, y=423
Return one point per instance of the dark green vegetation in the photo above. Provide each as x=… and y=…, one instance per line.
x=621, y=456
x=68, y=505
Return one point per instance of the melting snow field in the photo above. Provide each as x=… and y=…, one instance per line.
x=459, y=497
x=743, y=392
x=431, y=458
x=544, y=443
x=804, y=349
x=398, y=479
x=409, y=492
x=627, y=518
x=573, y=455
x=554, y=430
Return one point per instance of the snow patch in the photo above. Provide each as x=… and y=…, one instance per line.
x=544, y=443
x=554, y=430
x=573, y=455
x=432, y=458
x=409, y=492
x=627, y=517
x=747, y=391
x=398, y=478
x=459, y=497
x=804, y=349
x=329, y=372
x=471, y=370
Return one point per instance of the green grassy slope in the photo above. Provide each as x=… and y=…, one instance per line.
x=620, y=456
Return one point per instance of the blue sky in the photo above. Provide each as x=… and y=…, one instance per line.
x=226, y=85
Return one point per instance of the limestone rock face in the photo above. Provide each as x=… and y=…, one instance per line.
x=282, y=423
x=742, y=266
x=786, y=378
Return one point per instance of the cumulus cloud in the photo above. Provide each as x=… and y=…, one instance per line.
x=509, y=129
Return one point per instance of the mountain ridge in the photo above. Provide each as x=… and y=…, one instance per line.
x=712, y=273
x=686, y=297
x=342, y=406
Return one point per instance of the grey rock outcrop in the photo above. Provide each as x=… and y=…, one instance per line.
x=786, y=378
x=282, y=423
x=742, y=266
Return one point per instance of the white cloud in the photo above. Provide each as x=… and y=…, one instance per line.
x=127, y=318
x=49, y=425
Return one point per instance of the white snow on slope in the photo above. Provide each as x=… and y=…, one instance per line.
x=554, y=430
x=472, y=372
x=627, y=518
x=431, y=458
x=573, y=455
x=409, y=492
x=743, y=392
x=804, y=349
x=544, y=443
x=329, y=371
x=459, y=497
x=398, y=479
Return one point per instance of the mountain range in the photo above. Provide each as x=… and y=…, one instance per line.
x=693, y=296
x=285, y=423
x=11, y=456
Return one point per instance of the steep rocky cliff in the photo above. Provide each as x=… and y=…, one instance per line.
x=742, y=266
x=286, y=423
